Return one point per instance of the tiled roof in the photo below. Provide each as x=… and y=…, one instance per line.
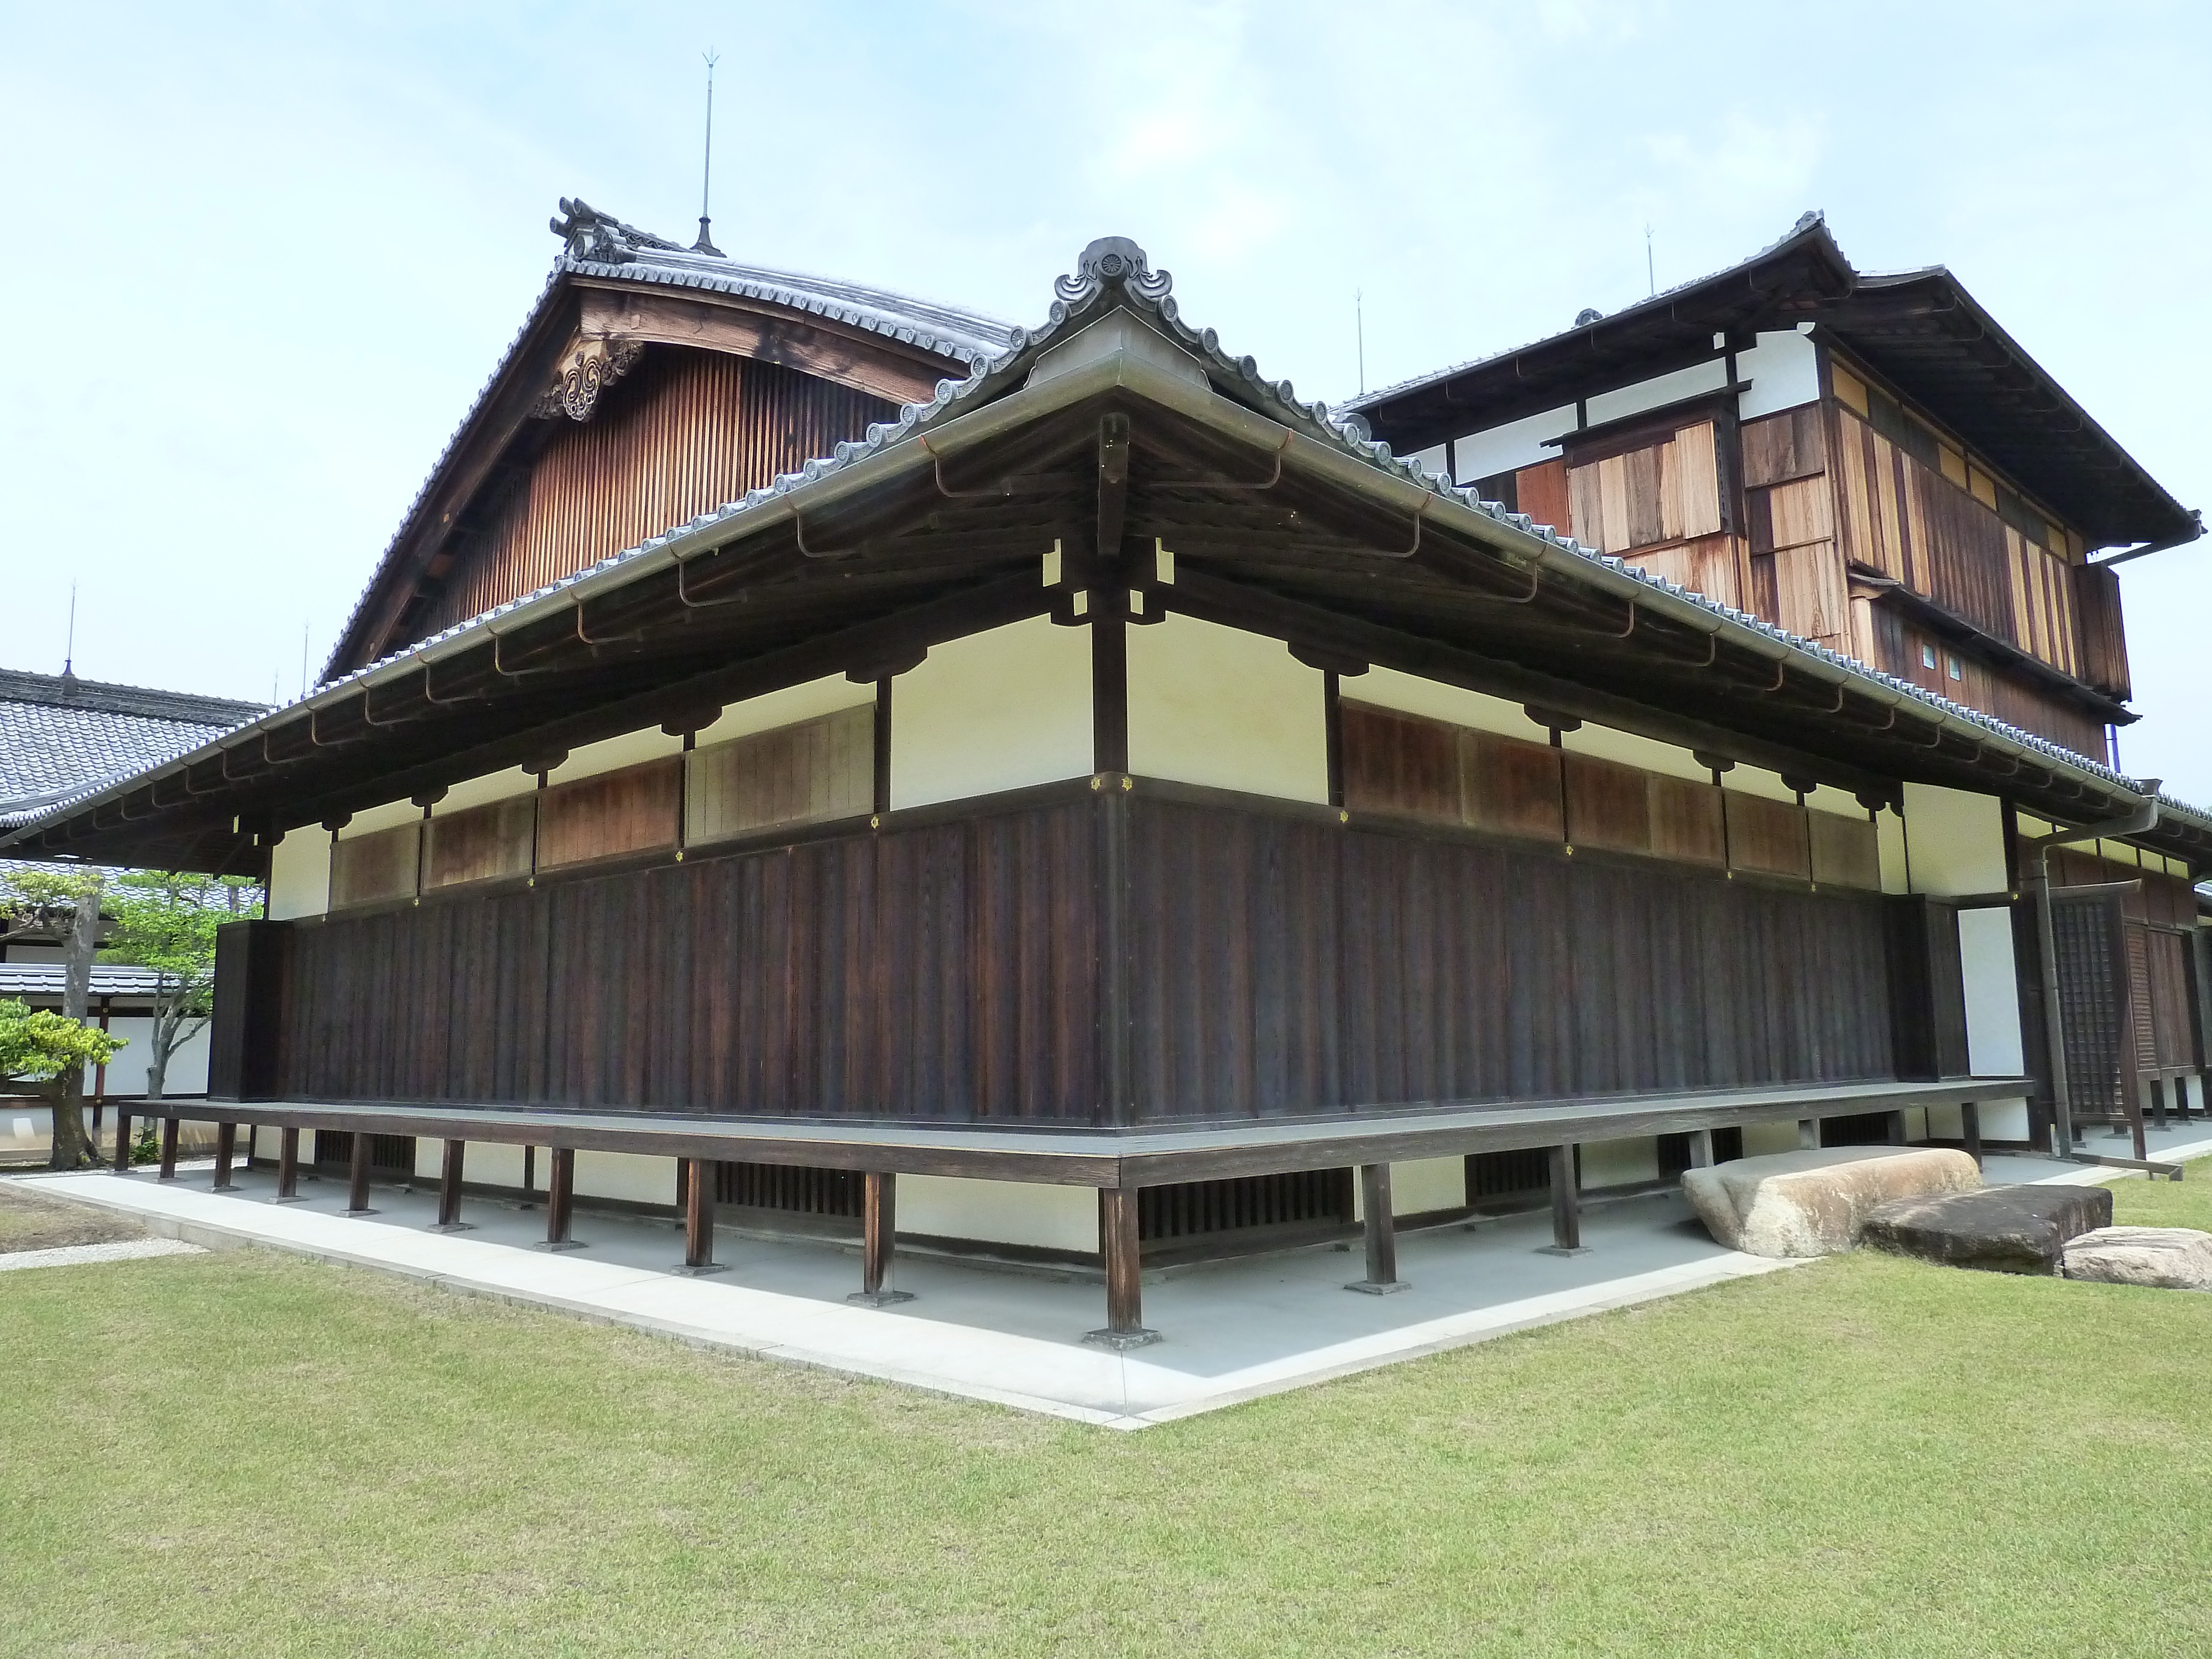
x=60, y=735
x=43, y=979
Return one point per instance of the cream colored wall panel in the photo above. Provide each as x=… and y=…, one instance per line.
x=1889, y=829
x=1620, y=1163
x=299, y=874
x=494, y=1163
x=429, y=1156
x=1217, y=706
x=1760, y=1139
x=1630, y=750
x=1426, y=1184
x=788, y=706
x=1994, y=1046
x=370, y=820
x=999, y=1212
x=2004, y=1119
x=1957, y=841
x=631, y=749
x=481, y=791
x=1386, y=688
x=629, y=1175
x=998, y=710
x=1757, y=780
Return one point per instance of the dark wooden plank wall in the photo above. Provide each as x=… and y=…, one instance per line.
x=1280, y=966
x=685, y=431
x=2103, y=638
x=944, y=972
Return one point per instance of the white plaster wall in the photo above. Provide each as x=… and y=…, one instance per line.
x=126, y=1072
x=1784, y=371
x=1760, y=1139
x=1658, y=392
x=1432, y=460
x=1420, y=1186
x=480, y=792
x=1630, y=750
x=1217, y=706
x=788, y=706
x=630, y=1176
x=1386, y=688
x=2004, y=1119
x=370, y=819
x=1620, y=1163
x=999, y=1212
x=998, y=710
x=1957, y=841
x=612, y=754
x=1757, y=780
x=299, y=874
x=1513, y=445
x=1985, y=954
x=1889, y=831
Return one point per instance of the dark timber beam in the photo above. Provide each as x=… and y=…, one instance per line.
x=879, y=1233
x=122, y=1165
x=226, y=1148
x=357, y=1176
x=1566, y=1206
x=1125, y=1296
x=1382, y=1231
x=559, y=1198
x=168, y=1149
x=699, y=1218
x=449, y=1189
x=287, y=1166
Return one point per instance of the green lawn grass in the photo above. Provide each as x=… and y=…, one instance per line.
x=248, y=1454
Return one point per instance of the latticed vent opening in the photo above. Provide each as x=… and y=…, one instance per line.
x=1508, y=1175
x=1191, y=1209
x=793, y=1188
x=387, y=1154
x=1860, y=1129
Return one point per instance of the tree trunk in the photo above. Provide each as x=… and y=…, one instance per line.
x=72, y=1148
x=157, y=1065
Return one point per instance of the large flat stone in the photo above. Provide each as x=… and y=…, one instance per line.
x=1812, y=1203
x=2164, y=1258
x=2006, y=1230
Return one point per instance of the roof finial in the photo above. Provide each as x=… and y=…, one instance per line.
x=706, y=243
x=69, y=649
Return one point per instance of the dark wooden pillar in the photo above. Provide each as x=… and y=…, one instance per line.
x=287, y=1166
x=1894, y=1129
x=1566, y=1206
x=357, y=1176
x=698, y=1179
x=449, y=1189
x=168, y=1149
x=226, y=1148
x=560, y=1198
x=122, y=1141
x=1970, y=1128
x=1382, y=1231
x=878, y=1231
x=1125, y=1295
x=2158, y=1101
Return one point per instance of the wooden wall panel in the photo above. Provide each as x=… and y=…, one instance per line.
x=1845, y=851
x=684, y=431
x=813, y=772
x=371, y=868
x=1609, y=805
x=1709, y=565
x=1686, y=821
x=1542, y=493
x=2103, y=638
x=631, y=810
x=1396, y=762
x=1666, y=490
x=1811, y=597
x=482, y=843
x=1510, y=787
x=1778, y=449
x=1769, y=836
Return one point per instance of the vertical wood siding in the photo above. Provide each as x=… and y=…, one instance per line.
x=685, y=431
x=814, y=772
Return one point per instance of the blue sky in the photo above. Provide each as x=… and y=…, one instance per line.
x=263, y=258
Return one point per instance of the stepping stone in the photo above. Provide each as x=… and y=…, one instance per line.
x=1812, y=1203
x=2164, y=1258
x=2004, y=1230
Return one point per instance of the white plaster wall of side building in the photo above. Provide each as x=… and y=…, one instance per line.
x=1784, y=369
x=998, y=710
x=370, y=819
x=1620, y=1163
x=1017, y=1212
x=1217, y=706
x=495, y=1164
x=1761, y=1138
x=299, y=874
x=1514, y=445
x=1409, y=694
x=1889, y=837
x=1426, y=1185
x=1656, y=393
x=1606, y=744
x=126, y=1072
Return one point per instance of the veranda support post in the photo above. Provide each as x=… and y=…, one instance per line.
x=1381, y=1233
x=878, y=1231
x=1118, y=1244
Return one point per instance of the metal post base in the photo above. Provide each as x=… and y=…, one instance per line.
x=879, y=1298
x=452, y=1226
x=357, y=1213
x=1382, y=1287
x=1121, y=1342
x=701, y=1271
x=1563, y=1250
x=556, y=1246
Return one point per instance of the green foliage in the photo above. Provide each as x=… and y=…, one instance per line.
x=167, y=920
x=147, y=1148
x=37, y=1047
x=43, y=900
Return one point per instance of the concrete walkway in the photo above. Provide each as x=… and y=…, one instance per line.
x=1233, y=1331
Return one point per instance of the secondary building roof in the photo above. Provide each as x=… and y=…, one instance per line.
x=1921, y=329
x=60, y=735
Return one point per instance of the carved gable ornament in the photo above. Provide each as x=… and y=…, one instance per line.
x=591, y=364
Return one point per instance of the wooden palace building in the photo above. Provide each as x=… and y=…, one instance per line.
x=806, y=744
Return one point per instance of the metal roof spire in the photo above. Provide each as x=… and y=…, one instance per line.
x=706, y=243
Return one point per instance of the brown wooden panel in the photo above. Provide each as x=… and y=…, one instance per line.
x=1810, y=596
x=1767, y=835
x=1609, y=805
x=1779, y=447
x=1845, y=851
x=1686, y=820
x=813, y=772
x=1398, y=762
x=1707, y=565
x=2104, y=638
x=1541, y=492
x=630, y=811
x=1508, y=786
x=482, y=843
x=367, y=869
